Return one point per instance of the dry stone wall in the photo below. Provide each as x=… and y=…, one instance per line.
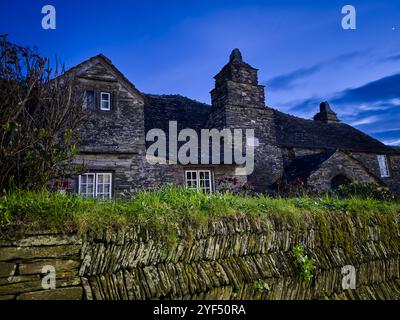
x=223, y=259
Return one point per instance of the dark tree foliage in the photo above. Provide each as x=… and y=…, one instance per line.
x=40, y=110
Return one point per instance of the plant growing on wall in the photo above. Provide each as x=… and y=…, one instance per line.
x=304, y=264
x=261, y=285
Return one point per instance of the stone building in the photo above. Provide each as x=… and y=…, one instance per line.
x=322, y=152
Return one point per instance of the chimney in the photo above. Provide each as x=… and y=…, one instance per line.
x=237, y=85
x=326, y=114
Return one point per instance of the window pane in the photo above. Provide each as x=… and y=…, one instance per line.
x=104, y=105
x=87, y=185
x=106, y=179
x=199, y=180
x=90, y=189
x=105, y=101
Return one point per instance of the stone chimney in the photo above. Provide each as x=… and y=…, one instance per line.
x=237, y=84
x=238, y=103
x=326, y=114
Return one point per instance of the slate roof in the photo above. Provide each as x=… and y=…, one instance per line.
x=303, y=166
x=160, y=109
x=292, y=131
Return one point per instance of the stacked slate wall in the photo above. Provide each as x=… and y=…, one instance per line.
x=225, y=259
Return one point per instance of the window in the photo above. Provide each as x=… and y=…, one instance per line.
x=383, y=166
x=105, y=101
x=199, y=180
x=89, y=100
x=95, y=185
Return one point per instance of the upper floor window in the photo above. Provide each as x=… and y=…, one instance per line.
x=199, y=180
x=95, y=185
x=88, y=102
x=105, y=101
x=383, y=166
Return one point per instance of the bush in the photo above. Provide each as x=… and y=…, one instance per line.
x=40, y=113
x=368, y=190
x=294, y=188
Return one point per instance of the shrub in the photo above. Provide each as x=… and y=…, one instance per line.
x=41, y=110
x=366, y=190
x=294, y=188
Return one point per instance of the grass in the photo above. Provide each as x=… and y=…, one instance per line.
x=171, y=208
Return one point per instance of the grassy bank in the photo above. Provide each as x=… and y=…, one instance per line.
x=170, y=208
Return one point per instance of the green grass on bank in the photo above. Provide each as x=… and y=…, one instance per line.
x=171, y=207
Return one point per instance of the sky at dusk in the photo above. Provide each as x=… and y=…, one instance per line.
x=176, y=47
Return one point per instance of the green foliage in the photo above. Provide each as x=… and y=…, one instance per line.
x=304, y=264
x=364, y=190
x=261, y=285
x=40, y=112
x=169, y=210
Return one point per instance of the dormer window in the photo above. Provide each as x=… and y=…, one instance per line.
x=105, y=101
x=383, y=166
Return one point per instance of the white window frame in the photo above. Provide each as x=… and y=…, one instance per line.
x=84, y=192
x=197, y=180
x=96, y=185
x=108, y=100
x=383, y=166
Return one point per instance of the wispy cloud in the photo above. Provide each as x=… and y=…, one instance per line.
x=366, y=120
x=292, y=79
x=386, y=89
x=395, y=142
x=373, y=107
x=288, y=81
x=392, y=58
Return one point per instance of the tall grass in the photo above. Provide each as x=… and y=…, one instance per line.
x=170, y=207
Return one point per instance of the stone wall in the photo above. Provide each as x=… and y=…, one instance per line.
x=221, y=260
x=338, y=164
x=370, y=161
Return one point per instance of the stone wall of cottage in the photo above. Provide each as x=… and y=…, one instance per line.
x=338, y=164
x=223, y=259
x=370, y=161
x=360, y=166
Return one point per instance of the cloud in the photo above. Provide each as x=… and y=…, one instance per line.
x=384, y=90
x=374, y=107
x=366, y=120
x=288, y=81
x=393, y=58
x=395, y=142
x=292, y=79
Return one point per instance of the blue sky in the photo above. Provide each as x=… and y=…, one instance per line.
x=303, y=54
